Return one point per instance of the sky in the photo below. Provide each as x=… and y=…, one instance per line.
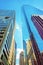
x=17, y=6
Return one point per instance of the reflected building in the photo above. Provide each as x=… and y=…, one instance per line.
x=25, y=52
x=7, y=43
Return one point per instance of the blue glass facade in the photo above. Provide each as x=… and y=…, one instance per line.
x=28, y=12
x=32, y=31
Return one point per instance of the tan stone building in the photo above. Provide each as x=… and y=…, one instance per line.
x=21, y=60
x=7, y=27
x=31, y=58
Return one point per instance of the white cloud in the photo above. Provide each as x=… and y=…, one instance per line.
x=17, y=26
x=17, y=64
x=18, y=53
x=19, y=35
x=26, y=40
x=19, y=50
x=41, y=16
x=17, y=56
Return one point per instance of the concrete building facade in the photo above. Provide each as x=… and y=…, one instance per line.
x=7, y=28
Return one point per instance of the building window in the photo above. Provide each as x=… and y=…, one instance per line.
x=7, y=17
x=2, y=56
x=5, y=47
x=1, y=63
x=1, y=36
x=5, y=54
x=7, y=43
x=1, y=32
x=0, y=40
x=6, y=50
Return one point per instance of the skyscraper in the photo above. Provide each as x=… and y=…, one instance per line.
x=7, y=27
x=25, y=52
x=35, y=47
x=38, y=22
x=31, y=58
x=21, y=60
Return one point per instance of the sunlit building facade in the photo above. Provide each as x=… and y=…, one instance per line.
x=21, y=60
x=25, y=52
x=31, y=58
x=7, y=43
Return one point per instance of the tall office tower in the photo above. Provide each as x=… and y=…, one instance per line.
x=38, y=22
x=25, y=52
x=35, y=47
x=42, y=57
x=31, y=58
x=15, y=49
x=21, y=60
x=7, y=43
x=42, y=54
x=34, y=42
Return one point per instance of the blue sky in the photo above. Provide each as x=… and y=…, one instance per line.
x=17, y=6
